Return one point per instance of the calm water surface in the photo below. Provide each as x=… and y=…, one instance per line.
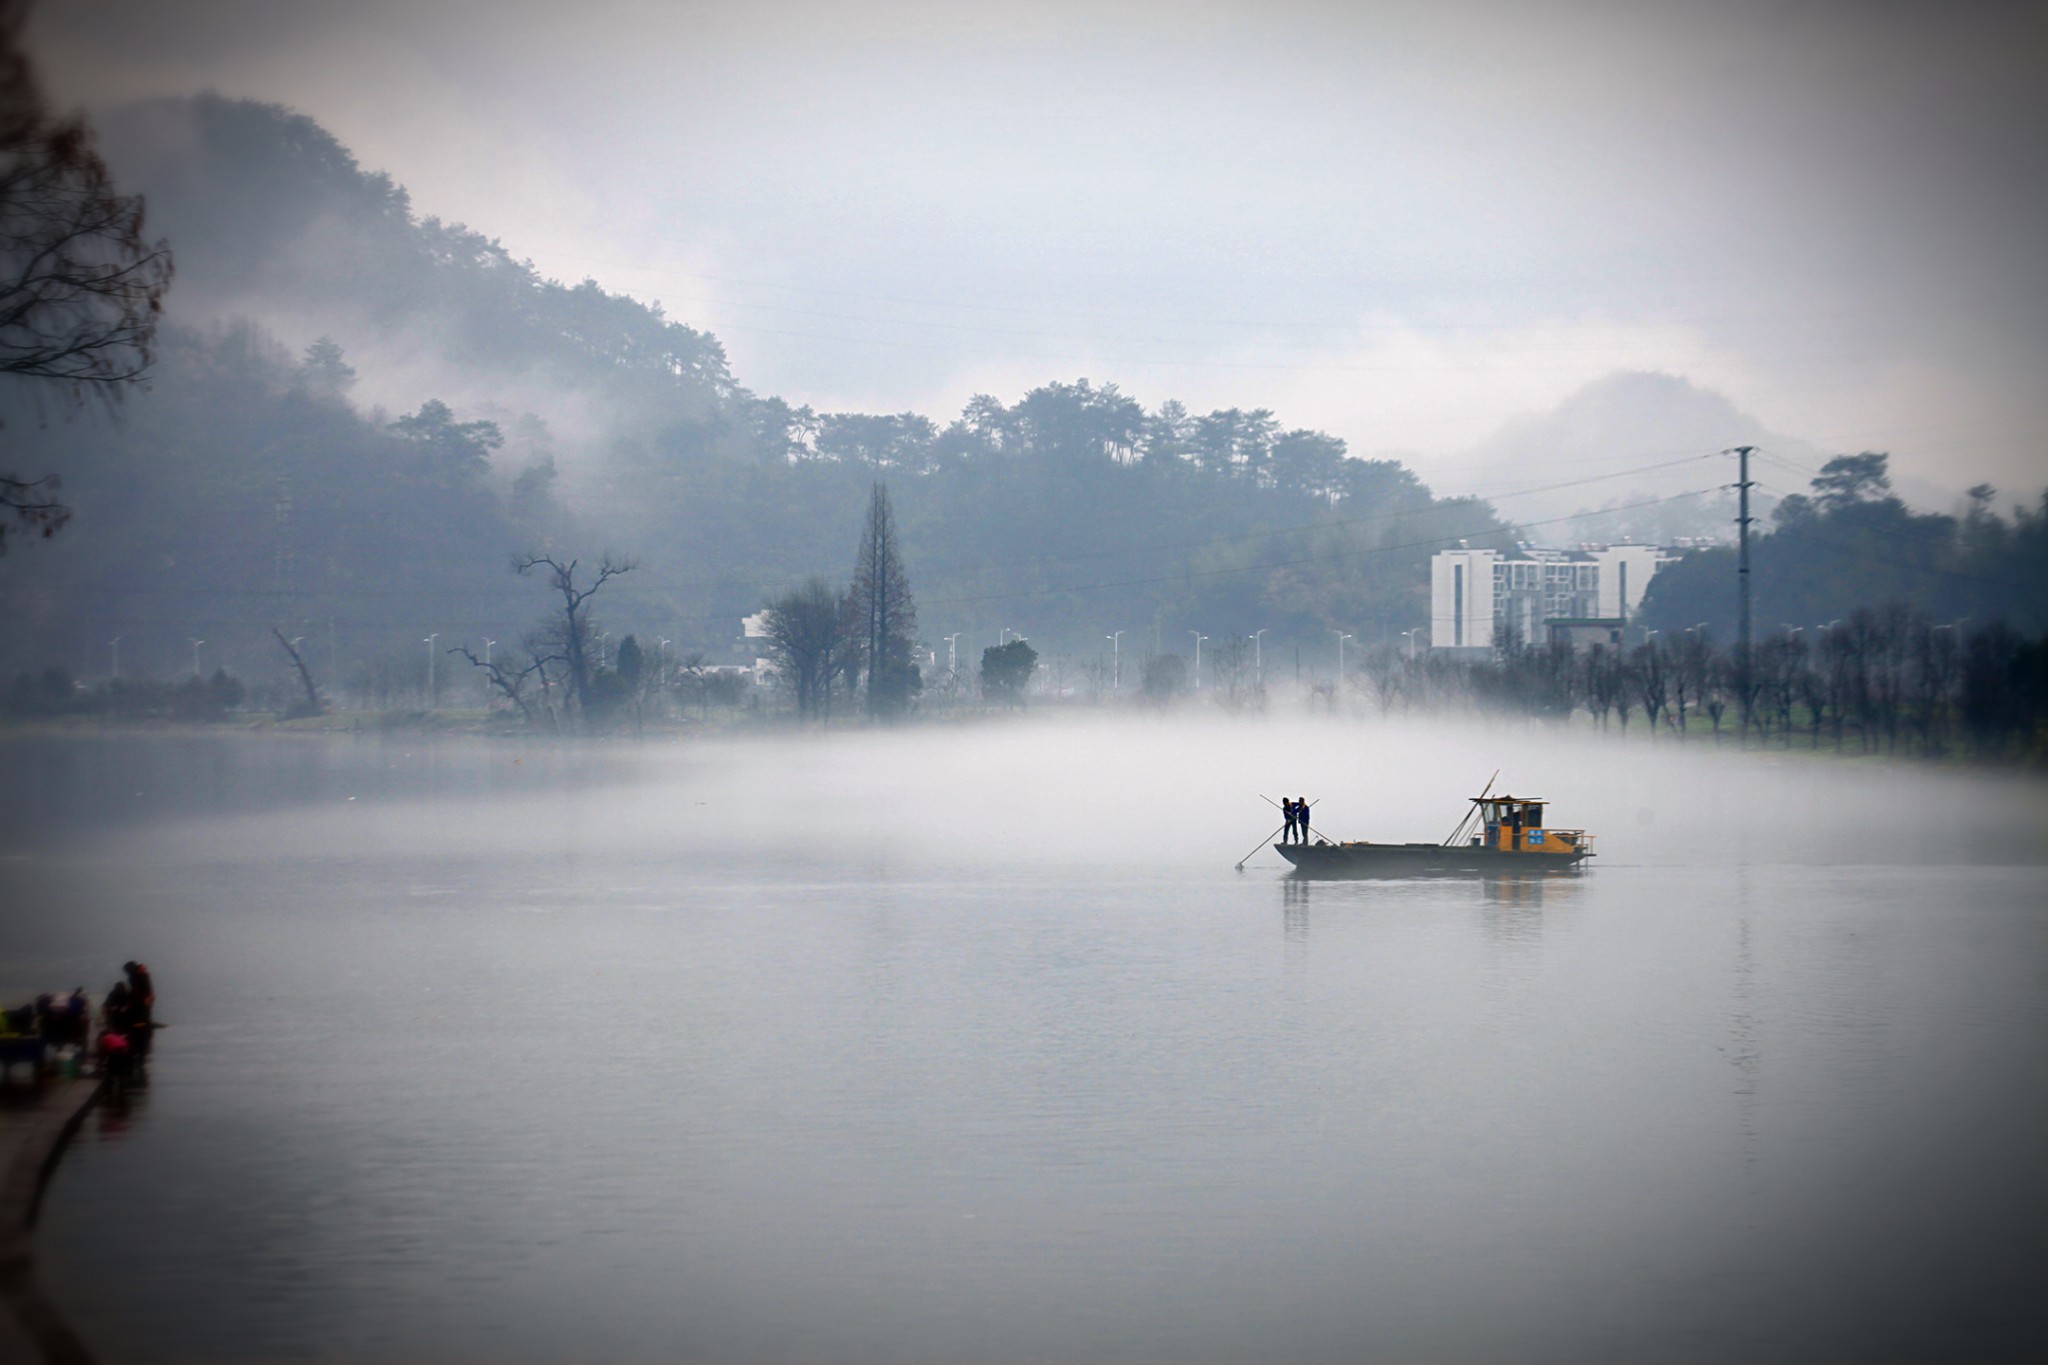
x=971, y=1045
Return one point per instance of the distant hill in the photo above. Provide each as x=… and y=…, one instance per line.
x=273, y=221
x=1663, y=427
x=359, y=415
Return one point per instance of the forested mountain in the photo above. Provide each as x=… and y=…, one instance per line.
x=254, y=486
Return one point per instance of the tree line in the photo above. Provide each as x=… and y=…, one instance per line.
x=1849, y=541
x=1880, y=680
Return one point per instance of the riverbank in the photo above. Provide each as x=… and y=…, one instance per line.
x=1699, y=736
x=36, y=1122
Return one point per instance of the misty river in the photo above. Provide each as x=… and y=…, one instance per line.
x=966, y=1042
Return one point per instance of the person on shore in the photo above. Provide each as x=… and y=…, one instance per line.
x=1287, y=809
x=115, y=1011
x=1301, y=818
x=116, y=1048
x=117, y=1058
x=141, y=1009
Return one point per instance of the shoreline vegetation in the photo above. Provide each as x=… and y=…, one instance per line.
x=1815, y=732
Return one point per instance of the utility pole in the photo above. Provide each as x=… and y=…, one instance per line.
x=1742, y=520
x=429, y=642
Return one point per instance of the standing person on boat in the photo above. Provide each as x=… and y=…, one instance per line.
x=1287, y=809
x=141, y=1009
x=1301, y=817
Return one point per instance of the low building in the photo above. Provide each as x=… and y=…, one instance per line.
x=1581, y=633
x=1479, y=597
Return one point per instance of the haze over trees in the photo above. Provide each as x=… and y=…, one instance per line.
x=1848, y=541
x=261, y=483
x=357, y=415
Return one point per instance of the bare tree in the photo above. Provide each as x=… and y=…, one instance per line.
x=1382, y=666
x=810, y=637
x=511, y=683
x=1714, y=685
x=81, y=290
x=1690, y=660
x=313, y=706
x=692, y=684
x=566, y=636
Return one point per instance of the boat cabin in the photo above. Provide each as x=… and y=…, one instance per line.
x=1514, y=824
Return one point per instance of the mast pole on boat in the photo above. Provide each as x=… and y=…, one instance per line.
x=1460, y=830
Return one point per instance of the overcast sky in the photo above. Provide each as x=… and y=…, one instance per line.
x=1401, y=223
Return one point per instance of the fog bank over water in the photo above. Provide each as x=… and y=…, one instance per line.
x=967, y=1043
x=1040, y=788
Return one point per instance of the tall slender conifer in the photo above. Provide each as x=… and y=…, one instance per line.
x=886, y=612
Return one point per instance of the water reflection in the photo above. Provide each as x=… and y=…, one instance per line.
x=872, y=1092
x=119, y=1112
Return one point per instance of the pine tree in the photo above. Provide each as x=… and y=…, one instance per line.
x=886, y=613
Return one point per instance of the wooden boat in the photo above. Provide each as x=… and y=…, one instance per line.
x=1499, y=834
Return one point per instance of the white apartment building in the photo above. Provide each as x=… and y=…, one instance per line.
x=1475, y=595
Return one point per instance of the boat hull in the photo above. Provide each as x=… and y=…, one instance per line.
x=1417, y=860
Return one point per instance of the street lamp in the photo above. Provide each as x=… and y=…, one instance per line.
x=1199, y=637
x=430, y=668
x=1409, y=636
x=487, y=652
x=1341, y=638
x=661, y=669
x=1258, y=653
x=953, y=652
x=115, y=645
x=195, y=656
x=1117, y=643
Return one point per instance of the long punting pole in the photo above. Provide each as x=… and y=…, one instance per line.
x=1256, y=847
